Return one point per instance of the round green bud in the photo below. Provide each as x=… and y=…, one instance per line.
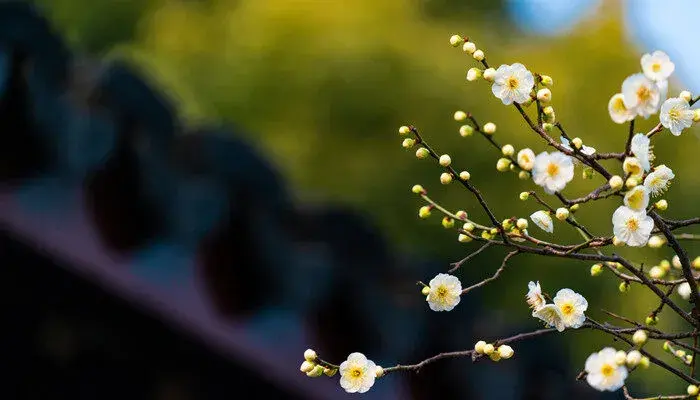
x=422, y=153
x=524, y=196
x=448, y=222
x=408, y=143
x=596, y=269
x=417, y=189
x=624, y=287
x=456, y=40
x=424, y=212
x=404, y=130
x=524, y=175
x=466, y=130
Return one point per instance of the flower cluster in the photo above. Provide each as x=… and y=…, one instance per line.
x=568, y=310
x=357, y=372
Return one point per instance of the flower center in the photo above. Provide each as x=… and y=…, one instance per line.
x=552, y=169
x=513, y=82
x=656, y=67
x=607, y=370
x=441, y=292
x=356, y=372
x=643, y=93
x=632, y=224
x=635, y=200
x=567, y=309
x=619, y=105
x=674, y=113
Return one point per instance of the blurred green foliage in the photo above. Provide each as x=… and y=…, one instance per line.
x=323, y=85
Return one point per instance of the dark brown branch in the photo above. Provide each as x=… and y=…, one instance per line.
x=459, y=263
x=495, y=275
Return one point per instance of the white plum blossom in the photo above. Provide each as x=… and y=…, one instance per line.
x=658, y=180
x=572, y=307
x=587, y=150
x=637, y=198
x=552, y=171
x=657, y=66
x=551, y=315
x=357, y=373
x=676, y=115
x=632, y=227
x=641, y=95
x=534, y=296
x=445, y=292
x=543, y=220
x=603, y=372
x=526, y=159
x=619, y=113
x=633, y=167
x=641, y=149
x=513, y=83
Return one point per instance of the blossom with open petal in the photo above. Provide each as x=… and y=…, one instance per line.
x=642, y=150
x=658, y=180
x=619, y=113
x=637, y=198
x=553, y=171
x=357, y=373
x=641, y=95
x=633, y=167
x=587, y=150
x=445, y=292
x=551, y=315
x=534, y=295
x=603, y=372
x=676, y=115
x=657, y=66
x=513, y=83
x=572, y=307
x=632, y=227
x=543, y=220
x=526, y=159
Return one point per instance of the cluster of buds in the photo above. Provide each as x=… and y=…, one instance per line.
x=502, y=352
x=314, y=369
x=679, y=354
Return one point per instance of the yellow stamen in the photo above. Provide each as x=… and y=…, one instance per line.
x=607, y=370
x=552, y=169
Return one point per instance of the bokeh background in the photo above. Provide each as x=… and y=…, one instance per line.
x=320, y=87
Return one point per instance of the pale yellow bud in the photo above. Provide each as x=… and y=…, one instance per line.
x=306, y=366
x=480, y=346
x=696, y=115
x=448, y=223
x=408, y=143
x=495, y=356
x=696, y=262
x=676, y=262
x=462, y=238
x=577, y=142
x=425, y=291
x=615, y=182
x=665, y=265
x=692, y=390
x=657, y=272
x=489, y=74
x=489, y=349
x=473, y=74
x=316, y=372
x=549, y=110
x=461, y=214
x=521, y=223
x=489, y=128
x=468, y=227
x=562, y=213
x=460, y=116
x=644, y=362
x=445, y=178
x=524, y=196
x=503, y=164
x=379, y=372
x=310, y=355
x=469, y=47
x=424, y=212
x=544, y=95
x=329, y=372
x=661, y=205
x=445, y=160
x=505, y=351
x=656, y=242
x=422, y=153
x=508, y=150
x=404, y=130
x=686, y=95
x=466, y=130
x=624, y=287
x=464, y=175
x=456, y=40
x=634, y=357
x=548, y=127
x=620, y=357
x=639, y=337
x=617, y=242
x=547, y=80
x=631, y=182
x=596, y=269
x=478, y=55
x=524, y=175
x=574, y=207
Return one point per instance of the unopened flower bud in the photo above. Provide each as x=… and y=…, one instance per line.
x=639, y=337
x=596, y=269
x=680, y=353
x=330, y=372
x=657, y=272
x=644, y=362
x=478, y=55
x=508, y=150
x=460, y=116
x=465, y=130
x=408, y=143
x=521, y=223
x=473, y=74
x=503, y=164
x=651, y=320
x=464, y=175
x=617, y=242
x=417, y=189
x=684, y=290
x=306, y=366
x=489, y=128
x=445, y=160
x=615, y=182
x=310, y=355
x=656, y=242
x=574, y=207
x=665, y=265
x=692, y=390
x=488, y=349
x=546, y=80
x=696, y=115
x=686, y=95
x=316, y=372
x=448, y=223
x=468, y=227
x=461, y=214
x=480, y=346
x=548, y=127
x=588, y=173
x=634, y=357
x=544, y=95
x=425, y=291
x=422, y=153
x=620, y=357
x=562, y=213
x=666, y=346
x=631, y=182
x=489, y=74
x=456, y=40
x=495, y=356
x=549, y=110
x=524, y=175
x=424, y=212
x=661, y=205
x=445, y=178
x=462, y=238
x=577, y=142
x=524, y=196
x=378, y=372
x=404, y=130
x=676, y=262
x=624, y=287
x=696, y=263
x=469, y=47
x=505, y=351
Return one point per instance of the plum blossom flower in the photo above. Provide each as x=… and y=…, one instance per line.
x=572, y=307
x=603, y=372
x=445, y=292
x=657, y=66
x=543, y=220
x=641, y=95
x=513, y=83
x=526, y=159
x=676, y=115
x=658, y=180
x=551, y=315
x=357, y=373
x=637, y=198
x=642, y=150
x=632, y=227
x=534, y=296
x=587, y=150
x=619, y=113
x=633, y=167
x=552, y=171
